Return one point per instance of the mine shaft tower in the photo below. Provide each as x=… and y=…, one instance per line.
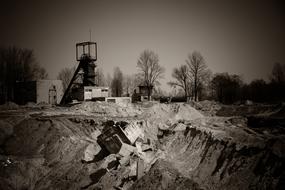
x=86, y=54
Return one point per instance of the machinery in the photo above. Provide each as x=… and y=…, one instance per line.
x=86, y=54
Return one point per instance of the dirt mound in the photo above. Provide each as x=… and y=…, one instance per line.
x=108, y=109
x=164, y=116
x=163, y=175
x=176, y=111
x=217, y=155
x=9, y=106
x=44, y=149
x=57, y=149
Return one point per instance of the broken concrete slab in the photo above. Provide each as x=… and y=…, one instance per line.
x=180, y=127
x=108, y=160
x=140, y=168
x=90, y=151
x=133, y=131
x=126, y=150
x=133, y=170
x=95, y=134
x=125, y=160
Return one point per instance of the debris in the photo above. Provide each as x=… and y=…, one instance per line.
x=113, y=137
x=140, y=168
x=146, y=147
x=133, y=169
x=126, y=150
x=133, y=131
x=90, y=151
x=121, y=152
x=125, y=160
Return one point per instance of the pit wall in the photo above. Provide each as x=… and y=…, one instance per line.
x=221, y=164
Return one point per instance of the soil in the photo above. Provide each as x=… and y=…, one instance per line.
x=201, y=145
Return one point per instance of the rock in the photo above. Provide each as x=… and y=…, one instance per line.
x=133, y=168
x=126, y=150
x=90, y=151
x=140, y=168
x=109, y=159
x=180, y=127
x=95, y=134
x=133, y=131
x=146, y=147
x=125, y=160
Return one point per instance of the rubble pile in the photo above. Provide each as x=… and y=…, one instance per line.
x=99, y=145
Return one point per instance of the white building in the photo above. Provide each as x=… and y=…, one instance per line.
x=96, y=92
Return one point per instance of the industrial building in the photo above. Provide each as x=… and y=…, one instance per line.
x=39, y=91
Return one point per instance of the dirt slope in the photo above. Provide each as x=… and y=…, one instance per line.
x=46, y=153
x=226, y=157
x=57, y=148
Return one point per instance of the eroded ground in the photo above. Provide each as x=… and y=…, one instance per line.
x=183, y=146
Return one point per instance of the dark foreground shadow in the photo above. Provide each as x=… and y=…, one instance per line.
x=95, y=177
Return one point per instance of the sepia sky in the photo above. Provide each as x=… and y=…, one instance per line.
x=239, y=37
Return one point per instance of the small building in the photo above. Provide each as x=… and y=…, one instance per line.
x=39, y=91
x=141, y=93
x=96, y=93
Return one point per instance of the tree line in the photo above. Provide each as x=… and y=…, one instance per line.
x=198, y=82
x=193, y=79
x=230, y=88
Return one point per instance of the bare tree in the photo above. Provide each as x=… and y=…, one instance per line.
x=204, y=86
x=65, y=75
x=197, y=67
x=99, y=77
x=159, y=93
x=150, y=69
x=278, y=73
x=277, y=84
x=117, y=83
x=17, y=65
x=180, y=74
x=108, y=80
x=131, y=82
